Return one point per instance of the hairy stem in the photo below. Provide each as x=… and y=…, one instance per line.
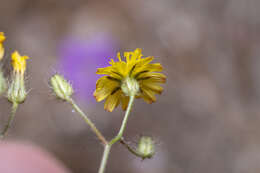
x=124, y=122
x=11, y=117
x=89, y=122
x=104, y=159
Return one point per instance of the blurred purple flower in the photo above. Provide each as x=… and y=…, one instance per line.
x=79, y=60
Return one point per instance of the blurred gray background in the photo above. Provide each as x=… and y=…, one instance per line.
x=207, y=119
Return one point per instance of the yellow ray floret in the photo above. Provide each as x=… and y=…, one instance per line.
x=2, y=50
x=134, y=74
x=19, y=62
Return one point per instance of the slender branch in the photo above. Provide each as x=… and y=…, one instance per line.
x=117, y=138
x=11, y=117
x=88, y=121
x=123, y=125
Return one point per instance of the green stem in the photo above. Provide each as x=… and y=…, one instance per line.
x=104, y=159
x=117, y=138
x=123, y=125
x=88, y=121
x=11, y=117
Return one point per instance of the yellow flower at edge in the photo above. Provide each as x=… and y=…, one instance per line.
x=2, y=37
x=2, y=50
x=134, y=76
x=19, y=62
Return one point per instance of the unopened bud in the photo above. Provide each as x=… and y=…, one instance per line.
x=145, y=147
x=130, y=86
x=16, y=92
x=61, y=87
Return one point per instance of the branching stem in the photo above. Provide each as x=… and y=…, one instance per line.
x=118, y=136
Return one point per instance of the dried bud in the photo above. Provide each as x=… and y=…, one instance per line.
x=145, y=147
x=61, y=87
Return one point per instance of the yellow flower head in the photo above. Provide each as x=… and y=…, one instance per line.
x=2, y=37
x=135, y=76
x=19, y=62
x=2, y=50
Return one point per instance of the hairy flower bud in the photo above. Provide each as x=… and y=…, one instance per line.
x=2, y=82
x=16, y=91
x=130, y=86
x=61, y=87
x=145, y=147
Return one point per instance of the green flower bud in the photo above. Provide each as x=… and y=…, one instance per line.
x=2, y=82
x=145, y=147
x=61, y=87
x=16, y=92
x=130, y=86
